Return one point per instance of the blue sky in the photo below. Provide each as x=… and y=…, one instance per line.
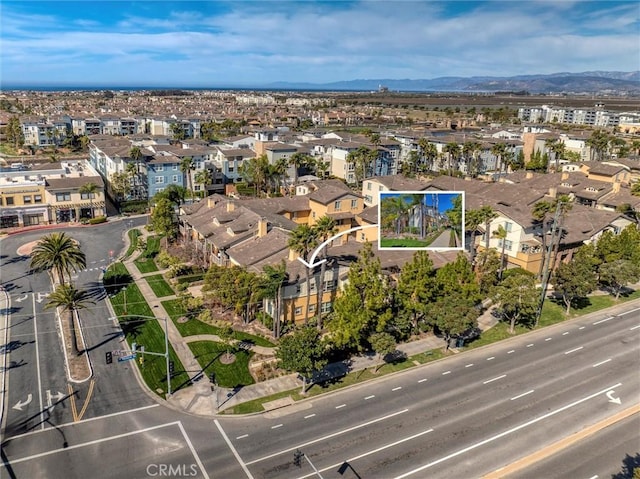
x=244, y=43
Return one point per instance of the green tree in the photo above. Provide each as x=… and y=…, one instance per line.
x=120, y=185
x=254, y=171
x=457, y=279
x=271, y=287
x=487, y=266
x=69, y=300
x=177, y=131
x=302, y=352
x=90, y=190
x=303, y=240
x=499, y=150
x=203, y=178
x=176, y=194
x=187, y=165
x=226, y=337
x=383, y=344
x=618, y=274
x=415, y=289
x=454, y=215
x=162, y=218
x=453, y=314
x=365, y=305
x=542, y=212
x=325, y=228
x=598, y=144
x=59, y=254
x=501, y=235
x=363, y=160
x=574, y=280
x=14, y=133
x=486, y=215
x=518, y=299
x=452, y=149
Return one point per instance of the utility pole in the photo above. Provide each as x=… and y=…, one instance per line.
x=547, y=260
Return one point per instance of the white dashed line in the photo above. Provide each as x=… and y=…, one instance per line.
x=422, y=380
x=469, y=365
x=581, y=327
x=396, y=389
x=529, y=345
x=601, y=363
x=565, y=333
x=276, y=426
x=369, y=397
x=603, y=320
x=492, y=357
x=512, y=351
x=635, y=327
x=309, y=416
x=243, y=436
x=341, y=406
x=494, y=379
x=548, y=339
x=446, y=372
x=521, y=395
x=631, y=311
x=573, y=350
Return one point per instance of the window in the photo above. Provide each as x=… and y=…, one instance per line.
x=336, y=205
x=231, y=168
x=26, y=199
x=330, y=285
x=175, y=178
x=66, y=196
x=86, y=196
x=298, y=289
x=354, y=204
x=298, y=311
x=1, y=201
x=312, y=308
x=175, y=167
x=369, y=186
x=326, y=307
x=9, y=200
x=507, y=244
x=160, y=168
x=368, y=199
x=159, y=180
x=508, y=226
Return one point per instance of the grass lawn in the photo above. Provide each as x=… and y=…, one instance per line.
x=145, y=265
x=129, y=301
x=227, y=375
x=403, y=243
x=133, y=241
x=193, y=326
x=159, y=286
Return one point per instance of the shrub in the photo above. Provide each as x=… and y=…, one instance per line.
x=181, y=286
x=97, y=220
x=137, y=206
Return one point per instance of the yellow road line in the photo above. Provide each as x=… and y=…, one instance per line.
x=86, y=401
x=74, y=411
x=560, y=445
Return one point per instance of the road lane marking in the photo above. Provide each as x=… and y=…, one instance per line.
x=548, y=339
x=193, y=450
x=529, y=345
x=35, y=331
x=74, y=411
x=91, y=443
x=581, y=327
x=328, y=436
x=340, y=406
x=594, y=477
x=505, y=433
x=635, y=327
x=603, y=320
x=86, y=401
x=233, y=449
x=565, y=333
x=369, y=397
x=310, y=416
x=396, y=389
x=276, y=426
x=422, y=380
x=446, y=372
x=601, y=363
x=374, y=451
x=521, y=395
x=494, y=379
x=491, y=358
x=512, y=351
x=469, y=365
x=243, y=436
x=573, y=350
x=630, y=311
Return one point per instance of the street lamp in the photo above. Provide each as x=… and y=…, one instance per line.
x=166, y=342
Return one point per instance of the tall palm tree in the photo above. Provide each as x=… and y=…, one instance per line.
x=472, y=219
x=452, y=149
x=70, y=300
x=59, y=254
x=131, y=169
x=203, y=178
x=297, y=161
x=499, y=150
x=186, y=167
x=501, y=234
x=304, y=239
x=325, y=228
x=89, y=189
x=135, y=153
x=487, y=215
x=541, y=213
x=271, y=287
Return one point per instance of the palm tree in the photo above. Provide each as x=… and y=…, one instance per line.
x=131, y=169
x=499, y=150
x=541, y=213
x=59, y=254
x=186, y=166
x=452, y=149
x=501, y=234
x=558, y=149
x=297, y=161
x=325, y=228
x=203, y=178
x=303, y=239
x=271, y=287
x=70, y=300
x=472, y=219
x=135, y=153
x=486, y=216
x=89, y=189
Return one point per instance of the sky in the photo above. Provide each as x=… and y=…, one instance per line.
x=244, y=43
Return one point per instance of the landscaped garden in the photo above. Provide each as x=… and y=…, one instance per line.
x=159, y=286
x=209, y=355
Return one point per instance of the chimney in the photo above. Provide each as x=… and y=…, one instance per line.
x=262, y=227
x=565, y=175
x=292, y=255
x=210, y=202
x=616, y=186
x=529, y=175
x=553, y=192
x=230, y=206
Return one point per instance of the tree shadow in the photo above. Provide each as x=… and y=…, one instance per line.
x=111, y=337
x=630, y=464
x=116, y=282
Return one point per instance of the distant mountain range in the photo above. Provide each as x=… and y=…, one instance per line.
x=585, y=82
